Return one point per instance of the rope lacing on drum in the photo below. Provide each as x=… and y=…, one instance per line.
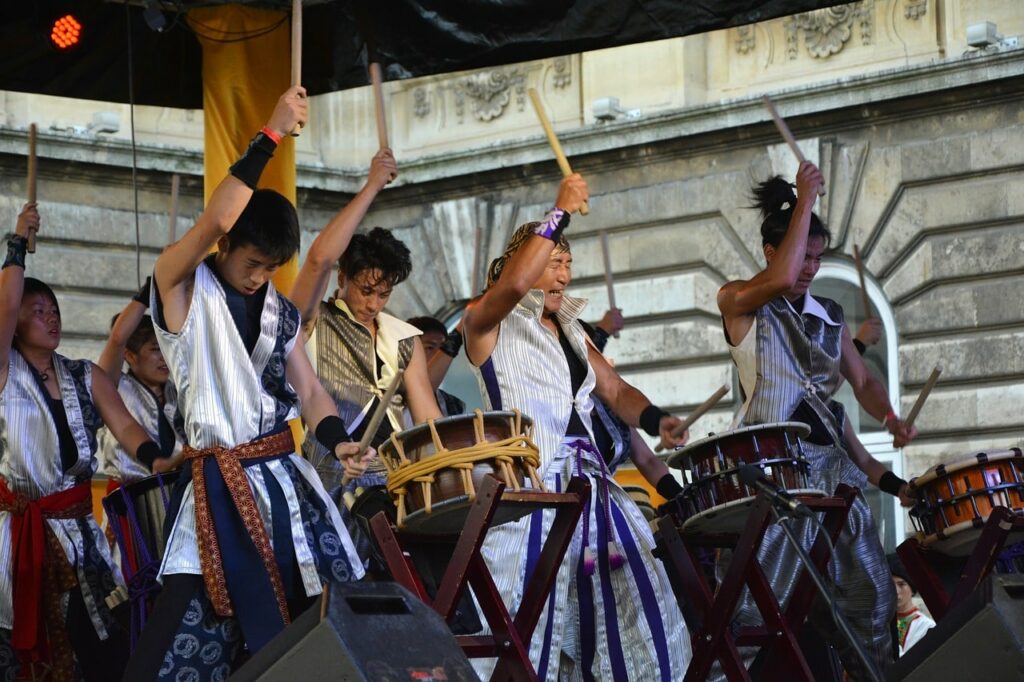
x=503, y=452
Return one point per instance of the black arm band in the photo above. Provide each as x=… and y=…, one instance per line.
x=668, y=487
x=250, y=167
x=147, y=453
x=452, y=343
x=600, y=338
x=331, y=431
x=859, y=345
x=17, y=247
x=650, y=420
x=890, y=483
x=142, y=296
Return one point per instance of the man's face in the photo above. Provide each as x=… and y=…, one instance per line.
x=554, y=280
x=812, y=263
x=365, y=294
x=245, y=267
x=431, y=342
x=904, y=595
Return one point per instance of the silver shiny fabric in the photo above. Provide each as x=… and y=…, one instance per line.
x=223, y=401
x=30, y=463
x=346, y=362
x=798, y=358
x=119, y=465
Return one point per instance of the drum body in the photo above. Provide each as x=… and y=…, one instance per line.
x=958, y=498
x=440, y=464
x=715, y=501
x=140, y=508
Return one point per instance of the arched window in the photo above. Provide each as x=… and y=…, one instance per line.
x=838, y=280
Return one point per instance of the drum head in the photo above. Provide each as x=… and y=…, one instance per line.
x=980, y=458
x=731, y=517
x=680, y=459
x=455, y=432
x=449, y=517
x=138, y=489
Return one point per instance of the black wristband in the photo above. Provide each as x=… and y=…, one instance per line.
x=17, y=247
x=142, y=296
x=859, y=345
x=452, y=343
x=650, y=420
x=331, y=431
x=250, y=167
x=147, y=453
x=668, y=487
x=600, y=338
x=890, y=483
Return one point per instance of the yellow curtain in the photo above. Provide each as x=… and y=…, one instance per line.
x=242, y=81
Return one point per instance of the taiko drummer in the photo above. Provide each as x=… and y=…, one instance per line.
x=793, y=351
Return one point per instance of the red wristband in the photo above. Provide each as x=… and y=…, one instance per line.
x=271, y=134
x=889, y=415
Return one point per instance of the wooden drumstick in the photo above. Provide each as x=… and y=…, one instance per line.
x=377, y=82
x=697, y=414
x=787, y=135
x=863, y=288
x=609, y=284
x=172, y=213
x=928, y=386
x=296, y=52
x=30, y=183
x=556, y=146
x=377, y=416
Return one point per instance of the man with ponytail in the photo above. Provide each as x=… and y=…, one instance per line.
x=793, y=351
x=612, y=614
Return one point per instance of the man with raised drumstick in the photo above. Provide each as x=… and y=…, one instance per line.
x=612, y=613
x=254, y=534
x=792, y=351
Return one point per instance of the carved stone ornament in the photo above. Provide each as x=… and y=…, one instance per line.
x=420, y=102
x=562, y=77
x=491, y=91
x=826, y=31
x=745, y=42
x=915, y=9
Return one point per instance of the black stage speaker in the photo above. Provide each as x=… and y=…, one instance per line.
x=982, y=638
x=369, y=631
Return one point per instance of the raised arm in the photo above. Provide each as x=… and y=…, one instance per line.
x=315, y=276
x=112, y=358
x=12, y=283
x=176, y=265
x=744, y=297
x=485, y=313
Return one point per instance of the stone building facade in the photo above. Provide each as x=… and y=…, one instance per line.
x=920, y=136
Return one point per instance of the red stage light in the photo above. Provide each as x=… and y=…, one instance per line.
x=65, y=32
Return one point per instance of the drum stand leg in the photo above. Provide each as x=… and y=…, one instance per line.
x=510, y=637
x=978, y=565
x=710, y=616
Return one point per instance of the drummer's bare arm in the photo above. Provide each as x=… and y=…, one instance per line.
x=871, y=394
x=524, y=268
x=112, y=358
x=629, y=403
x=439, y=363
x=115, y=415
x=317, y=270
x=422, y=401
x=650, y=466
x=872, y=468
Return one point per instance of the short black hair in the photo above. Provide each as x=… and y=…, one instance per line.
x=35, y=286
x=377, y=250
x=142, y=335
x=270, y=224
x=427, y=324
x=776, y=200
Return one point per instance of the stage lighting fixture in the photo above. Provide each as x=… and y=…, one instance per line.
x=154, y=16
x=66, y=32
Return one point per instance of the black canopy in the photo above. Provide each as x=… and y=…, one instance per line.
x=409, y=37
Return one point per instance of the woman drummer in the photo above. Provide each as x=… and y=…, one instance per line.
x=612, y=613
x=359, y=347
x=50, y=545
x=793, y=351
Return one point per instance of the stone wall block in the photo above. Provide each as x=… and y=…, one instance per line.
x=977, y=356
x=684, y=385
